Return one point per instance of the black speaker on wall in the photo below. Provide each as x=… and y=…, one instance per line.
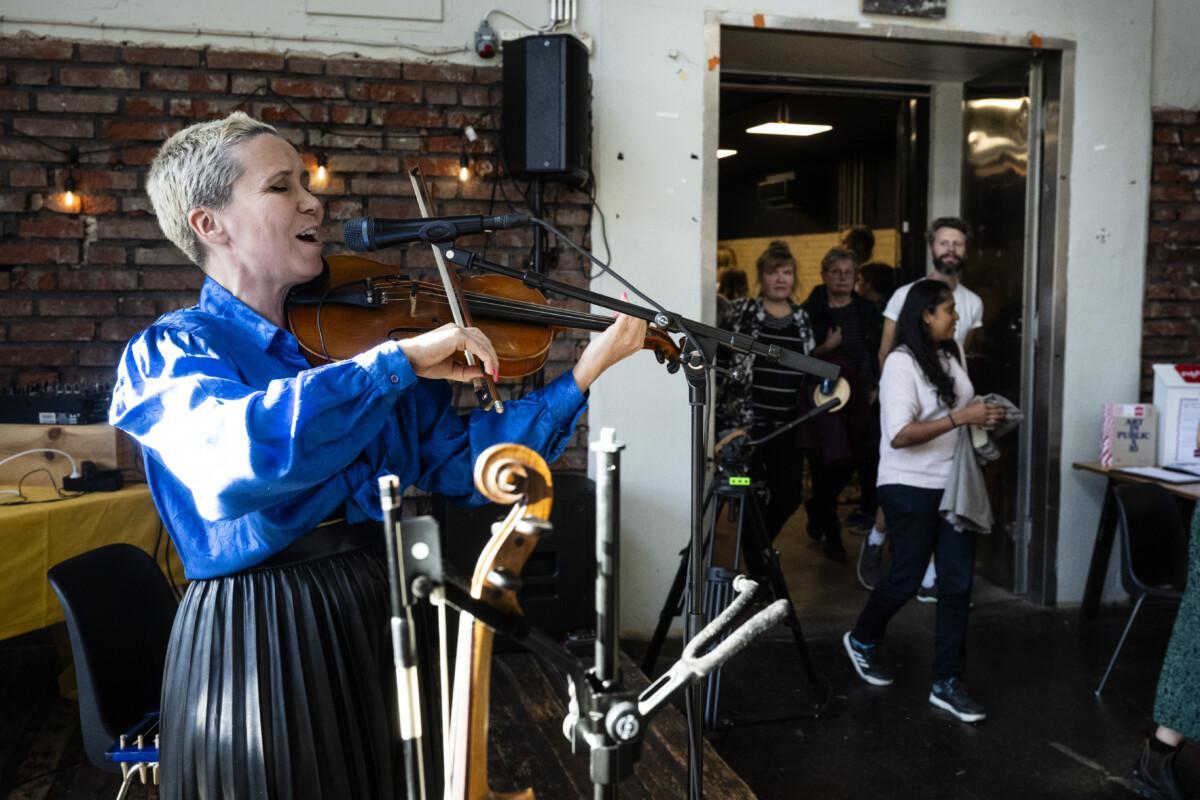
x=547, y=127
x=557, y=583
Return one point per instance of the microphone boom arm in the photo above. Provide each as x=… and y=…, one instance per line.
x=669, y=322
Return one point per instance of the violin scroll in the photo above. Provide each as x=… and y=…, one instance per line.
x=508, y=473
x=504, y=473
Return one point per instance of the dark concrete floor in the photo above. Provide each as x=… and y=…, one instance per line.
x=1034, y=669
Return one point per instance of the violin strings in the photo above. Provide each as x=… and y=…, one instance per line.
x=487, y=302
x=431, y=289
x=548, y=313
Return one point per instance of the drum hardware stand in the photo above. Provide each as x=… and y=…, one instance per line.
x=603, y=716
x=729, y=486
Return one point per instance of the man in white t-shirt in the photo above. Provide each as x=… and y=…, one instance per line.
x=947, y=239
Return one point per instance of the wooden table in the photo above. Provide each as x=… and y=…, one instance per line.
x=37, y=535
x=1107, y=529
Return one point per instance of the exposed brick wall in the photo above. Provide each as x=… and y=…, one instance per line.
x=75, y=287
x=1171, y=323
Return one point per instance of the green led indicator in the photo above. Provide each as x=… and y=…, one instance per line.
x=739, y=480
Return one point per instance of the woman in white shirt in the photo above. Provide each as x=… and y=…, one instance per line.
x=925, y=396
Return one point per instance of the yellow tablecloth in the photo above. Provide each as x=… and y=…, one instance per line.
x=36, y=536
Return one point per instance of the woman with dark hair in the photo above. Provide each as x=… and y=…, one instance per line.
x=760, y=396
x=925, y=395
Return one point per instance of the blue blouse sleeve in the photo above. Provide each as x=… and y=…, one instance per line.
x=249, y=450
x=449, y=444
x=239, y=448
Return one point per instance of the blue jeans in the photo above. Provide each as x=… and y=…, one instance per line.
x=915, y=532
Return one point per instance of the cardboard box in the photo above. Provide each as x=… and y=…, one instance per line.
x=1177, y=399
x=1128, y=435
x=106, y=446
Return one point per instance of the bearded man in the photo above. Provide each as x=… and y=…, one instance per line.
x=947, y=237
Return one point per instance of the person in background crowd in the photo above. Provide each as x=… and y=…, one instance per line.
x=947, y=238
x=1177, y=701
x=731, y=285
x=759, y=396
x=860, y=240
x=925, y=396
x=876, y=282
x=279, y=677
x=848, y=328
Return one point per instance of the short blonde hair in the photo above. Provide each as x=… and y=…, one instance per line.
x=197, y=167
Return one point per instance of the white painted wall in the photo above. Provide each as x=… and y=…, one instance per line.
x=650, y=69
x=1176, y=57
x=945, y=151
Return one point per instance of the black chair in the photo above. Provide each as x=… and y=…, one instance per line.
x=119, y=609
x=1154, y=550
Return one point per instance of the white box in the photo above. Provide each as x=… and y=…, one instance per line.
x=1177, y=399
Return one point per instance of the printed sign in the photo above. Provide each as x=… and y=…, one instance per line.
x=1189, y=372
x=906, y=8
x=1128, y=435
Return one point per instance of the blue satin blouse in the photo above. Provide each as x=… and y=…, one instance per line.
x=247, y=447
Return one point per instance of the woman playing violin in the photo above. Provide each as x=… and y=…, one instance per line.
x=278, y=680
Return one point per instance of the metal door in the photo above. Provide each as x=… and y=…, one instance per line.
x=1002, y=125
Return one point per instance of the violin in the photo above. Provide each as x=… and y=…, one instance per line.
x=504, y=473
x=357, y=303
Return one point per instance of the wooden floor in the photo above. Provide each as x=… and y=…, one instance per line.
x=41, y=755
x=1047, y=737
x=528, y=744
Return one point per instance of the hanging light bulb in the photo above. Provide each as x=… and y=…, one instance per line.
x=464, y=168
x=69, y=201
x=321, y=174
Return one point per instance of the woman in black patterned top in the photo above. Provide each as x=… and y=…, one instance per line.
x=758, y=395
x=848, y=328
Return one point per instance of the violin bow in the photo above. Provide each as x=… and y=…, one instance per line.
x=485, y=387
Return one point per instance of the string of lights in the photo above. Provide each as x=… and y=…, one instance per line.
x=69, y=201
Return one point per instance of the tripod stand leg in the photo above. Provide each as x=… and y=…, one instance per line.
x=672, y=608
x=673, y=605
x=761, y=559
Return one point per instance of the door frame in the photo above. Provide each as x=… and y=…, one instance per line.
x=1047, y=215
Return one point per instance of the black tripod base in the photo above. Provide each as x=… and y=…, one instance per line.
x=762, y=564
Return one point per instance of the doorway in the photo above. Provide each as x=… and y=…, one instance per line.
x=920, y=128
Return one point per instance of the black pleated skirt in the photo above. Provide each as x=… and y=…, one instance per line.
x=279, y=684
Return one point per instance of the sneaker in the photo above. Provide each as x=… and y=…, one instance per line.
x=927, y=594
x=868, y=662
x=951, y=695
x=870, y=564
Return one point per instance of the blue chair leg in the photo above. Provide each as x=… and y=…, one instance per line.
x=1136, y=607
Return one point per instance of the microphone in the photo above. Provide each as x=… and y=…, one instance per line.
x=364, y=234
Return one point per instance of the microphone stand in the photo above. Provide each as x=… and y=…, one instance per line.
x=699, y=348
x=695, y=370
x=404, y=643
